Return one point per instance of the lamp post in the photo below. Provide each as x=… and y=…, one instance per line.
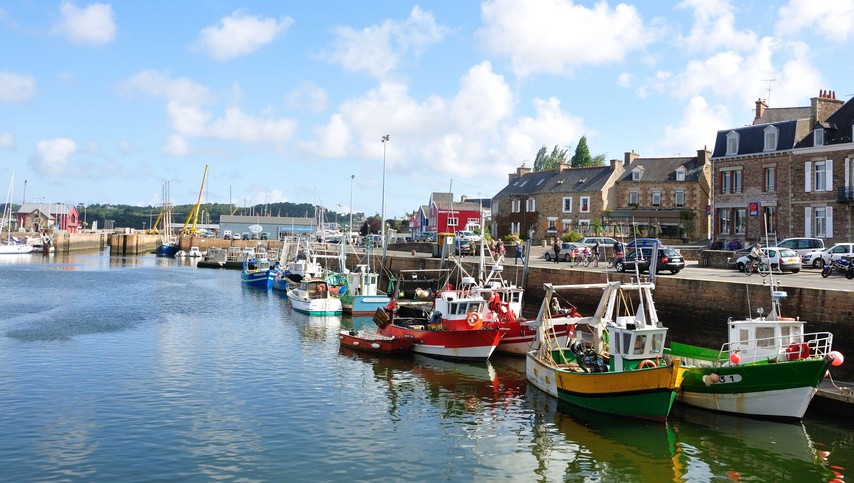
x=382, y=208
x=350, y=226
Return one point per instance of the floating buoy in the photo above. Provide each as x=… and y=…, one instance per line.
x=838, y=358
x=734, y=358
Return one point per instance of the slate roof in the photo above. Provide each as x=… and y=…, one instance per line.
x=837, y=128
x=47, y=208
x=776, y=114
x=443, y=197
x=571, y=180
x=752, y=138
x=664, y=169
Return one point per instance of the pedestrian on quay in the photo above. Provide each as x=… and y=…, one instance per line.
x=557, y=250
x=596, y=255
x=518, y=252
x=501, y=250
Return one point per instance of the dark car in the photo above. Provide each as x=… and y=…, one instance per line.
x=668, y=260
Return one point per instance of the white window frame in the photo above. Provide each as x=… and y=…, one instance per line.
x=739, y=221
x=731, y=143
x=637, y=174
x=567, y=204
x=818, y=137
x=516, y=206
x=566, y=224
x=771, y=135
x=530, y=205
x=818, y=175
x=770, y=181
x=680, y=173
x=584, y=206
x=726, y=181
x=818, y=221
x=514, y=227
x=724, y=214
x=634, y=195
x=453, y=221
x=679, y=198
x=655, y=198
x=737, y=180
x=552, y=224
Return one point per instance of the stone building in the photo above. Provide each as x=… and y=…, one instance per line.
x=754, y=180
x=664, y=197
x=544, y=205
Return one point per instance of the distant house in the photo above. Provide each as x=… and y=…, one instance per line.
x=420, y=220
x=449, y=216
x=664, y=197
x=40, y=217
x=543, y=205
x=754, y=189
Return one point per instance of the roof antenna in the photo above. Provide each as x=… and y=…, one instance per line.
x=769, y=81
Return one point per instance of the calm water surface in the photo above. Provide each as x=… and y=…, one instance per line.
x=146, y=369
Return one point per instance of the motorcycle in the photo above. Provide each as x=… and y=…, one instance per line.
x=843, y=265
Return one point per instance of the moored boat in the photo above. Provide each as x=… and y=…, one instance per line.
x=258, y=273
x=768, y=368
x=375, y=342
x=312, y=297
x=613, y=364
x=359, y=295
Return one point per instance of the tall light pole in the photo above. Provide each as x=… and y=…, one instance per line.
x=350, y=227
x=382, y=208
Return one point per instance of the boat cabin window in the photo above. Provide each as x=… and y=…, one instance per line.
x=765, y=337
x=640, y=344
x=516, y=297
x=657, y=342
x=744, y=335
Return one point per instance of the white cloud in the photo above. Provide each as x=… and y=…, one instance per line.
x=90, y=25
x=555, y=36
x=188, y=120
x=330, y=140
x=696, y=129
x=51, y=156
x=7, y=141
x=549, y=126
x=162, y=85
x=176, y=146
x=126, y=147
x=234, y=125
x=830, y=19
x=240, y=34
x=483, y=101
x=714, y=27
x=308, y=96
x=378, y=49
x=16, y=87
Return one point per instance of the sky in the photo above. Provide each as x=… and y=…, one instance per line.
x=289, y=101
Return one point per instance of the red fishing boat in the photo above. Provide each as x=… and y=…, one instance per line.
x=375, y=342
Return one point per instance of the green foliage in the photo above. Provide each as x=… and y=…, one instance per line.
x=582, y=156
x=545, y=161
x=512, y=237
x=597, y=227
x=573, y=237
x=599, y=160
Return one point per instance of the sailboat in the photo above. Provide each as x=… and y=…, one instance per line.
x=11, y=245
x=168, y=243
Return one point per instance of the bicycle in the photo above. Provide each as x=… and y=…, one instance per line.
x=757, y=266
x=583, y=259
x=611, y=259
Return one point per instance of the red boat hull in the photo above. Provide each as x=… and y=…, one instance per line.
x=376, y=343
x=467, y=345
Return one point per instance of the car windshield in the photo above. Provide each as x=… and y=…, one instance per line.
x=787, y=253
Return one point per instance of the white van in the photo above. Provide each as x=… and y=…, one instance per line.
x=226, y=235
x=802, y=246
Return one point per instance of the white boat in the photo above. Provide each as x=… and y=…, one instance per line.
x=11, y=245
x=194, y=252
x=312, y=297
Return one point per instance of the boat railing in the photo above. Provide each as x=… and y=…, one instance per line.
x=778, y=348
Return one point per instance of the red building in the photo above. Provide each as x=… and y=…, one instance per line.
x=448, y=216
x=39, y=217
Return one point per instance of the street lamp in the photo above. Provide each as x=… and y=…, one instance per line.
x=350, y=226
x=382, y=208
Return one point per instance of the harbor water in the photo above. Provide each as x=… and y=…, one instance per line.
x=148, y=369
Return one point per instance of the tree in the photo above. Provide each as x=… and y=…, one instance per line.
x=582, y=156
x=545, y=161
x=599, y=159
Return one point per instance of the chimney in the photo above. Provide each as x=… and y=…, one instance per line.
x=629, y=157
x=463, y=198
x=520, y=171
x=760, y=109
x=823, y=106
x=704, y=155
x=562, y=166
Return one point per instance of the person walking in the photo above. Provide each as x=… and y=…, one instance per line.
x=596, y=255
x=557, y=251
x=518, y=252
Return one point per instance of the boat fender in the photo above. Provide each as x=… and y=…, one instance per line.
x=474, y=321
x=647, y=363
x=435, y=317
x=797, y=351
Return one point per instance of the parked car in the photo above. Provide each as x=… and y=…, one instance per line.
x=822, y=258
x=643, y=242
x=802, y=246
x=245, y=235
x=469, y=236
x=782, y=259
x=604, y=241
x=668, y=260
x=565, y=253
x=464, y=247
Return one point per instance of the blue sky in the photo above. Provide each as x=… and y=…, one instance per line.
x=101, y=102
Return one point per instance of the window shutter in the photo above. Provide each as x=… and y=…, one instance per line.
x=846, y=181
x=828, y=175
x=829, y=221
x=807, y=221
x=807, y=177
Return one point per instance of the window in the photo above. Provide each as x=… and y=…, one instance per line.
x=552, y=224
x=633, y=198
x=726, y=181
x=736, y=181
x=820, y=179
x=566, y=224
x=731, y=143
x=680, y=198
x=514, y=227
x=585, y=204
x=770, y=178
x=820, y=221
x=637, y=173
x=818, y=140
x=452, y=221
x=822, y=176
x=771, y=138
x=740, y=220
x=680, y=173
x=656, y=198
x=723, y=221
x=567, y=205
x=515, y=208
x=771, y=217
x=530, y=205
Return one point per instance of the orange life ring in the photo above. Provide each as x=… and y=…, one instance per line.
x=647, y=363
x=474, y=321
x=321, y=288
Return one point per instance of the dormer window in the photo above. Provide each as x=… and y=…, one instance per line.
x=818, y=140
x=637, y=174
x=731, y=143
x=680, y=173
x=771, y=133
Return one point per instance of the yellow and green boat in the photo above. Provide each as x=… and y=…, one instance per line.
x=613, y=363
